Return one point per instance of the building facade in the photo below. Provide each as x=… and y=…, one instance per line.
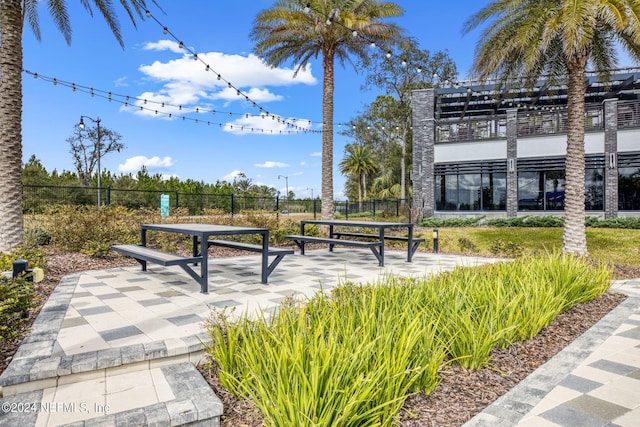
x=481, y=149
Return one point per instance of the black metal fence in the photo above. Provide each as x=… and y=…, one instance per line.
x=36, y=198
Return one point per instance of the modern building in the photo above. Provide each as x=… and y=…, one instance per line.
x=481, y=149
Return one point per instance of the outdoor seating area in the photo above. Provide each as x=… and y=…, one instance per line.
x=105, y=329
x=202, y=232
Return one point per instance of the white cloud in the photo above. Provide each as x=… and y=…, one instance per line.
x=162, y=45
x=187, y=83
x=121, y=82
x=316, y=154
x=270, y=164
x=232, y=175
x=266, y=124
x=133, y=164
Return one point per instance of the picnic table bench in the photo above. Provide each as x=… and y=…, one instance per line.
x=376, y=244
x=415, y=241
x=200, y=236
x=279, y=253
x=300, y=241
x=144, y=254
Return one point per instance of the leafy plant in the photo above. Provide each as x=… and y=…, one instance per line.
x=466, y=245
x=506, y=249
x=451, y=222
x=16, y=298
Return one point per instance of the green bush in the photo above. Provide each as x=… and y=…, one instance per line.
x=352, y=358
x=527, y=221
x=633, y=223
x=16, y=298
x=92, y=230
x=466, y=245
x=450, y=222
x=506, y=249
x=35, y=257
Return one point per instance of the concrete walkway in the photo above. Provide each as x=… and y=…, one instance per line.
x=119, y=346
x=593, y=382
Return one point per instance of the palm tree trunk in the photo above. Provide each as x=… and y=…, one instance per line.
x=327, y=135
x=11, y=23
x=574, y=237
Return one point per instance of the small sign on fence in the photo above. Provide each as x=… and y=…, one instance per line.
x=164, y=205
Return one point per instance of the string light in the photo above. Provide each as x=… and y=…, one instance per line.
x=126, y=101
x=166, y=31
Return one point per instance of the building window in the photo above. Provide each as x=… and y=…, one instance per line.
x=594, y=189
x=494, y=191
x=629, y=189
x=471, y=191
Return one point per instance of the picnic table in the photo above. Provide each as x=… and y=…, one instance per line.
x=201, y=234
x=374, y=241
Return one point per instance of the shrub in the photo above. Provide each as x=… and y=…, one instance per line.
x=633, y=223
x=506, y=249
x=450, y=222
x=92, y=230
x=466, y=245
x=16, y=298
x=35, y=257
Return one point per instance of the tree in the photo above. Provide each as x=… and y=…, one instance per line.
x=400, y=74
x=559, y=38
x=34, y=173
x=13, y=13
x=85, y=150
x=358, y=161
x=301, y=30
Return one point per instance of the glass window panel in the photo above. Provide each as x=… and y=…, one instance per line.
x=446, y=189
x=629, y=189
x=594, y=190
x=529, y=191
x=451, y=192
x=469, y=192
x=494, y=191
x=554, y=187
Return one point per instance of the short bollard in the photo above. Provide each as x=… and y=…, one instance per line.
x=19, y=267
x=435, y=240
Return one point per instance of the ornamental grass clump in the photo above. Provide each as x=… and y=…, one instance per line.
x=351, y=358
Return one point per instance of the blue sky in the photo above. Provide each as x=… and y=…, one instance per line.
x=151, y=66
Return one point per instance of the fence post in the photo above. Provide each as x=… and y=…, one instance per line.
x=232, y=201
x=108, y=195
x=374, y=208
x=397, y=207
x=177, y=199
x=315, y=208
x=277, y=203
x=346, y=209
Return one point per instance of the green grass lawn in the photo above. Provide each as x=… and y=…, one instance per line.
x=610, y=245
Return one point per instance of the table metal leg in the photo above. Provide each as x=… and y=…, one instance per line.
x=204, y=267
x=382, y=247
x=410, y=248
x=265, y=257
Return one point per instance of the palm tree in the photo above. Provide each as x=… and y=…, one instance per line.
x=559, y=38
x=13, y=13
x=359, y=161
x=301, y=30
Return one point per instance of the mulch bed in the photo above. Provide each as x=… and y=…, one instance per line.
x=462, y=393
